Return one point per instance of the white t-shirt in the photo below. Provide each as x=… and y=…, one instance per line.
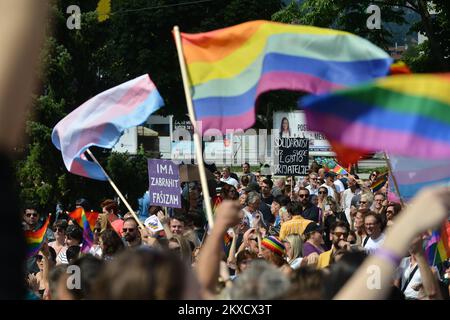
x=372, y=245
x=346, y=202
x=295, y=264
x=403, y=272
x=312, y=190
x=230, y=181
x=339, y=186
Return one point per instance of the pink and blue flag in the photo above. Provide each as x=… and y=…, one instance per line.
x=101, y=121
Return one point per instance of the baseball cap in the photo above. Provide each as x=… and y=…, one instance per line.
x=312, y=227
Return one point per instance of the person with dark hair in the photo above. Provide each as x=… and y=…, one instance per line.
x=338, y=237
x=83, y=203
x=110, y=243
x=245, y=180
x=59, y=228
x=277, y=203
x=266, y=191
x=131, y=233
x=243, y=259
x=285, y=131
x=309, y=211
x=74, y=237
x=111, y=209
x=375, y=236
x=392, y=210
x=306, y=284
x=313, y=241
x=297, y=224
x=177, y=224
x=90, y=270
x=72, y=253
x=321, y=195
x=31, y=218
x=246, y=172
x=229, y=192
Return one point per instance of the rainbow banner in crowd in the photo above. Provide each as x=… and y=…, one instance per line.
x=230, y=68
x=35, y=239
x=86, y=221
x=437, y=249
x=406, y=115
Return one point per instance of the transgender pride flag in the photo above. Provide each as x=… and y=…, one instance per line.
x=101, y=121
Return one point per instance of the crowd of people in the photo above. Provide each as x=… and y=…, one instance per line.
x=282, y=238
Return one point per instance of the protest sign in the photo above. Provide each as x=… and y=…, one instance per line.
x=164, y=183
x=292, y=155
x=153, y=224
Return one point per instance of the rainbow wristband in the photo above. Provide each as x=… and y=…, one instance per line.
x=388, y=256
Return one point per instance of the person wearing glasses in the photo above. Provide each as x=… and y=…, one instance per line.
x=322, y=194
x=59, y=229
x=131, y=233
x=313, y=187
x=31, y=218
x=96, y=249
x=338, y=236
x=375, y=235
x=392, y=210
x=373, y=176
x=309, y=211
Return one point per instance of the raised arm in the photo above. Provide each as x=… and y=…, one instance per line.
x=373, y=279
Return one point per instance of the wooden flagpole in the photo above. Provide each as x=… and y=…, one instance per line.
x=388, y=162
x=117, y=190
x=197, y=143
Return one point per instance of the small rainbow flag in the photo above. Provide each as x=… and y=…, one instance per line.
x=400, y=67
x=35, y=239
x=86, y=220
x=230, y=68
x=379, y=182
x=437, y=248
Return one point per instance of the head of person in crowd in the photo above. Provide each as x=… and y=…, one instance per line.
x=313, y=180
x=294, y=208
x=285, y=130
x=378, y=201
x=365, y=202
x=90, y=269
x=110, y=207
x=74, y=235
x=72, y=253
x=253, y=201
x=266, y=188
x=229, y=192
x=291, y=181
x=352, y=183
x=303, y=195
x=130, y=232
x=127, y=215
x=217, y=176
x=177, y=224
x=243, y=199
x=329, y=178
x=245, y=168
x=306, y=284
x=322, y=194
x=314, y=200
x=277, y=203
x=280, y=183
x=341, y=271
x=313, y=234
x=273, y=250
x=373, y=225
x=245, y=180
x=321, y=174
x=111, y=243
x=180, y=246
x=151, y=274
x=258, y=176
x=253, y=187
x=226, y=172
x=351, y=237
x=373, y=176
x=260, y=281
x=58, y=283
x=358, y=222
x=31, y=217
x=97, y=231
x=293, y=245
x=59, y=230
x=243, y=260
x=338, y=235
x=285, y=215
x=288, y=192
x=392, y=210
x=331, y=202
x=83, y=203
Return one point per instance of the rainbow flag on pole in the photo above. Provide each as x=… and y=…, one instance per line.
x=230, y=68
x=35, y=239
x=406, y=115
x=437, y=249
x=86, y=220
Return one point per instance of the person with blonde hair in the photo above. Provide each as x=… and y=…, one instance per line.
x=294, y=251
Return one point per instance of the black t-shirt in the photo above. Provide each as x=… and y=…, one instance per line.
x=268, y=200
x=311, y=213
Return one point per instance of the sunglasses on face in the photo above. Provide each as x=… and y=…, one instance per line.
x=39, y=257
x=31, y=215
x=124, y=230
x=97, y=229
x=59, y=229
x=390, y=211
x=363, y=202
x=303, y=195
x=323, y=192
x=340, y=234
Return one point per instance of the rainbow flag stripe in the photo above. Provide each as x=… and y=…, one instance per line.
x=405, y=115
x=35, y=239
x=437, y=249
x=86, y=220
x=379, y=182
x=230, y=68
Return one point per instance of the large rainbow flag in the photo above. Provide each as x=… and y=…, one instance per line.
x=405, y=115
x=437, y=248
x=35, y=239
x=230, y=68
x=86, y=220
